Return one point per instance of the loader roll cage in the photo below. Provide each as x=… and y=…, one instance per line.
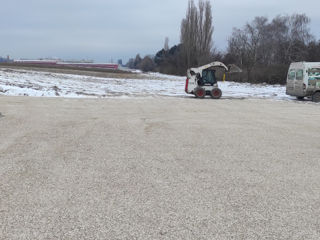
x=208, y=78
x=210, y=66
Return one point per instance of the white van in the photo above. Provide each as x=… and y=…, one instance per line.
x=303, y=80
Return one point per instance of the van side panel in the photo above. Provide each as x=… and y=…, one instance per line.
x=299, y=81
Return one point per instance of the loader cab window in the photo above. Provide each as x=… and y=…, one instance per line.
x=208, y=77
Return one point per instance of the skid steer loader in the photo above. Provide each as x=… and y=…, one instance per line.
x=202, y=81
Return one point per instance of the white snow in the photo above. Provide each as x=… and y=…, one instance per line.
x=32, y=83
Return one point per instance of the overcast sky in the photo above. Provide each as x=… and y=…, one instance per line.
x=118, y=29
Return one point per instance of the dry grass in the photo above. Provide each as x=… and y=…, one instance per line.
x=105, y=73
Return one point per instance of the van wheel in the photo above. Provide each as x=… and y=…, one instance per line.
x=300, y=98
x=316, y=97
x=216, y=93
x=200, y=92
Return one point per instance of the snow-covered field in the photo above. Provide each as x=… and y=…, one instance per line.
x=31, y=83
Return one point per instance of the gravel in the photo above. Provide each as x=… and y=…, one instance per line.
x=159, y=168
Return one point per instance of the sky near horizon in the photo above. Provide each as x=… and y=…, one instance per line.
x=105, y=30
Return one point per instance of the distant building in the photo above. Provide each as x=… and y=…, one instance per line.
x=79, y=64
x=120, y=62
x=5, y=60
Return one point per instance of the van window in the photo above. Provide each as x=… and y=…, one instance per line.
x=292, y=75
x=299, y=75
x=314, y=72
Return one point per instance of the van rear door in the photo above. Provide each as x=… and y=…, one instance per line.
x=299, y=86
x=291, y=82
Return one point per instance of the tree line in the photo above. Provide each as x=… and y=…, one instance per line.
x=262, y=48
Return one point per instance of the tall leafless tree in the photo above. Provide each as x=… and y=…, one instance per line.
x=196, y=33
x=166, y=44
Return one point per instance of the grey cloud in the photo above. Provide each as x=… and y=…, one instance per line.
x=102, y=29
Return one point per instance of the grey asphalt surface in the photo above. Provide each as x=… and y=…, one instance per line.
x=159, y=168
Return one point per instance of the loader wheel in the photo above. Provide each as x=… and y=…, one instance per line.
x=216, y=93
x=200, y=92
x=316, y=97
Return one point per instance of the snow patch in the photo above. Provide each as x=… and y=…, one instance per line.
x=33, y=83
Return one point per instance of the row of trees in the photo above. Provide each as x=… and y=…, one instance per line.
x=263, y=48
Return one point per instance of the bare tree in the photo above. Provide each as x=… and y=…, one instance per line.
x=261, y=44
x=298, y=37
x=288, y=38
x=314, y=51
x=147, y=64
x=166, y=44
x=189, y=32
x=196, y=33
x=248, y=44
x=137, y=61
x=205, y=37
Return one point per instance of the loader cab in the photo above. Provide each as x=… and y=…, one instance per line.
x=208, y=78
x=202, y=81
